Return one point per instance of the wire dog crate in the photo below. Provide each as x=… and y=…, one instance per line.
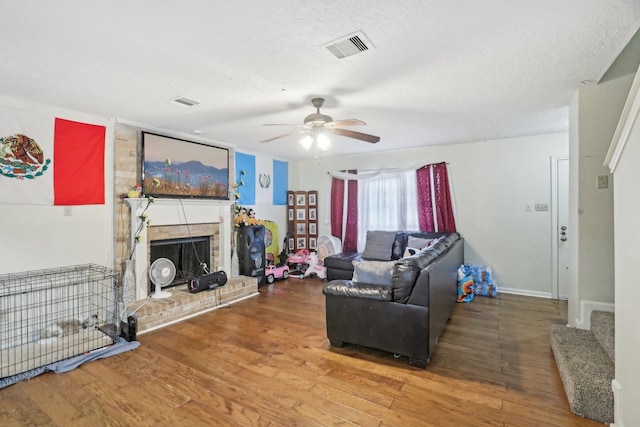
x=53, y=314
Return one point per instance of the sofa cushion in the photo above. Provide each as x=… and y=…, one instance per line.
x=342, y=261
x=350, y=289
x=375, y=272
x=407, y=270
x=410, y=251
x=399, y=245
x=418, y=242
x=379, y=244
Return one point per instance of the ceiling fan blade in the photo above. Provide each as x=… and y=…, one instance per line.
x=357, y=135
x=283, y=135
x=348, y=122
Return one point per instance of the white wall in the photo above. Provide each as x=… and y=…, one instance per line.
x=493, y=180
x=595, y=111
x=627, y=249
x=36, y=237
x=627, y=253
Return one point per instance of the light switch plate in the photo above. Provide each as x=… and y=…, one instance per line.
x=542, y=207
x=603, y=181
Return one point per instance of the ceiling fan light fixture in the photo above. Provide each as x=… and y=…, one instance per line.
x=306, y=142
x=324, y=143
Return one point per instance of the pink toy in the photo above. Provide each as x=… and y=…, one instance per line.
x=272, y=272
x=315, y=267
x=298, y=258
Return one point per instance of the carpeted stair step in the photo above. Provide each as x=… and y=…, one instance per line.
x=603, y=329
x=586, y=372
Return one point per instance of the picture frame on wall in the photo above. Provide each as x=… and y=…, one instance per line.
x=312, y=243
x=292, y=243
x=302, y=243
x=290, y=214
x=313, y=228
x=301, y=228
x=290, y=199
x=301, y=214
x=301, y=200
x=312, y=199
x=312, y=213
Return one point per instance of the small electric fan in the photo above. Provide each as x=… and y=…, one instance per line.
x=162, y=272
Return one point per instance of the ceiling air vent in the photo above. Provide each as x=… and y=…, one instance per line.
x=349, y=45
x=186, y=101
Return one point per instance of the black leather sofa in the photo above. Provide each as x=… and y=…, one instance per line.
x=405, y=317
x=340, y=266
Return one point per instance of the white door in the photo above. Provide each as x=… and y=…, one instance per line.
x=563, y=231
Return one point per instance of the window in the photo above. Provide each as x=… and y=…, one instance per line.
x=387, y=202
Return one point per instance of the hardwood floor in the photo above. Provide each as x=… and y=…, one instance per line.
x=266, y=361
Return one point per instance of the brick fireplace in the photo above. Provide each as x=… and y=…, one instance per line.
x=169, y=216
x=176, y=218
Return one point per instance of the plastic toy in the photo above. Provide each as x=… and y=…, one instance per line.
x=272, y=272
x=315, y=266
x=298, y=261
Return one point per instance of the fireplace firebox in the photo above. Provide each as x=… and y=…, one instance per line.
x=188, y=255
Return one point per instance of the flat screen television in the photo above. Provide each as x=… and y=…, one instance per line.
x=173, y=167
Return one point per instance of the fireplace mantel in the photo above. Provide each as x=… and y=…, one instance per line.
x=176, y=212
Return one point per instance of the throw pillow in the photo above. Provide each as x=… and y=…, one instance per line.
x=379, y=244
x=410, y=252
x=418, y=242
x=373, y=272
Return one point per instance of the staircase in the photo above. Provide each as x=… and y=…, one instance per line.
x=585, y=360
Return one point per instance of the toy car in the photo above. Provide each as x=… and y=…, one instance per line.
x=272, y=272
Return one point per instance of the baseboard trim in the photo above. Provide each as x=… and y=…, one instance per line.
x=586, y=307
x=524, y=293
x=617, y=403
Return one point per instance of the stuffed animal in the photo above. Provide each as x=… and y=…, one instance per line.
x=314, y=267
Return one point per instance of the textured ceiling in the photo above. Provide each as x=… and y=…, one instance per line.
x=439, y=72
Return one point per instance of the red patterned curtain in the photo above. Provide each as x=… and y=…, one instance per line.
x=350, y=243
x=435, y=207
x=337, y=206
x=350, y=240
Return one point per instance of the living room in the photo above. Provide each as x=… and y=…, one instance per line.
x=493, y=181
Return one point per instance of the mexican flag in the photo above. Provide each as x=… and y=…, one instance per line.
x=46, y=160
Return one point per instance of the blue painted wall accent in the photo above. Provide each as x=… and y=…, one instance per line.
x=246, y=163
x=280, y=182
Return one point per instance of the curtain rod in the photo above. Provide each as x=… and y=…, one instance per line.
x=389, y=169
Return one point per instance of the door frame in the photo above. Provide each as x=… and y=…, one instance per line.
x=554, y=225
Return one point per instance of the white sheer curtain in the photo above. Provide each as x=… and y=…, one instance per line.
x=388, y=201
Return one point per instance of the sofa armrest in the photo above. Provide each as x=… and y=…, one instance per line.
x=351, y=289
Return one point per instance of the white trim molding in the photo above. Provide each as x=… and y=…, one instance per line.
x=524, y=292
x=628, y=118
x=586, y=307
x=617, y=403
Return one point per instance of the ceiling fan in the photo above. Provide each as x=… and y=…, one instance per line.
x=317, y=125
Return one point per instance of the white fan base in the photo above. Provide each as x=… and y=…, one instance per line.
x=161, y=294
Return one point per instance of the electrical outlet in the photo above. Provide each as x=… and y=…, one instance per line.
x=542, y=207
x=603, y=181
x=67, y=211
